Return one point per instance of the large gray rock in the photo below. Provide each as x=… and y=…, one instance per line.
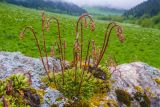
x=15, y=62
x=129, y=76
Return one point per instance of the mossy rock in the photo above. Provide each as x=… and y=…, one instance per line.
x=32, y=97
x=138, y=88
x=157, y=80
x=17, y=92
x=77, y=104
x=124, y=97
x=143, y=99
x=99, y=100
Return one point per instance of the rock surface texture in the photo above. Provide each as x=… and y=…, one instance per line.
x=15, y=62
x=126, y=77
x=140, y=75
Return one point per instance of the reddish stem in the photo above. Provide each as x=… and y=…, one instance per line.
x=77, y=32
x=44, y=39
x=30, y=78
x=5, y=103
x=106, y=41
x=60, y=41
x=38, y=46
x=81, y=44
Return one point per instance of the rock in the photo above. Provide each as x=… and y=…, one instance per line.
x=15, y=62
x=53, y=97
x=127, y=77
x=137, y=74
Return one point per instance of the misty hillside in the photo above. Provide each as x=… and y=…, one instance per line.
x=146, y=14
x=51, y=6
x=97, y=10
x=149, y=8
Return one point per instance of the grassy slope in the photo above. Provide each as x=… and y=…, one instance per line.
x=101, y=11
x=141, y=44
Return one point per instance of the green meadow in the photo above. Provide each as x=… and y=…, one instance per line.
x=142, y=44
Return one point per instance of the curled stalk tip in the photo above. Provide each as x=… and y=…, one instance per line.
x=120, y=34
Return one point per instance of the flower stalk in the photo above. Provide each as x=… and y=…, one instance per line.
x=107, y=35
x=60, y=44
x=80, y=20
x=37, y=44
x=44, y=39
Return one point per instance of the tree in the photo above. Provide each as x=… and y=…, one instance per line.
x=150, y=7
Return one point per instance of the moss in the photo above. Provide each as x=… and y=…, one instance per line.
x=148, y=89
x=96, y=100
x=143, y=99
x=54, y=105
x=138, y=88
x=157, y=80
x=17, y=92
x=2, y=88
x=124, y=97
x=70, y=88
x=18, y=81
x=77, y=104
x=99, y=100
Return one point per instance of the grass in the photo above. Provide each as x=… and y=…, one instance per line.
x=142, y=44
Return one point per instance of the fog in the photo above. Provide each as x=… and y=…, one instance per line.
x=120, y=4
